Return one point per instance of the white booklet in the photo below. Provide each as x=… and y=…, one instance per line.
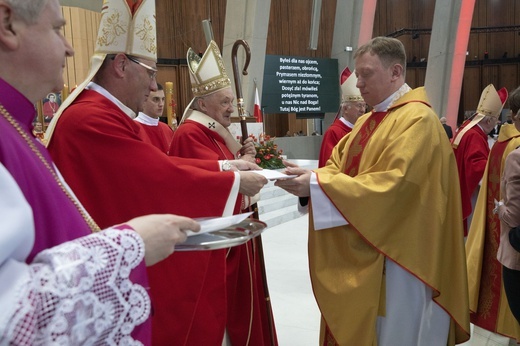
x=210, y=224
x=270, y=174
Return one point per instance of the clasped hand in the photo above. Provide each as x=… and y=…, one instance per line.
x=248, y=150
x=299, y=186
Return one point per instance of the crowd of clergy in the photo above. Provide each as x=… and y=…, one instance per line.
x=398, y=253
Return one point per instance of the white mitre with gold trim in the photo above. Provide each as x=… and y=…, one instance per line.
x=207, y=73
x=349, y=90
x=490, y=104
x=127, y=26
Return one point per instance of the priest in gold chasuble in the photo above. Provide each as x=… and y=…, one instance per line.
x=386, y=251
x=487, y=300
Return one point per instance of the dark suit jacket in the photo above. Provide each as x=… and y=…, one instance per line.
x=449, y=131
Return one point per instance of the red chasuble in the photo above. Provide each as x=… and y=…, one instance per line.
x=247, y=320
x=118, y=175
x=160, y=135
x=471, y=155
x=334, y=133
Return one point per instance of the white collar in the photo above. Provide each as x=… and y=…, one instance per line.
x=346, y=122
x=147, y=120
x=215, y=126
x=99, y=89
x=390, y=100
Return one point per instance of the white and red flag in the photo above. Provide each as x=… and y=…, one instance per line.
x=258, y=109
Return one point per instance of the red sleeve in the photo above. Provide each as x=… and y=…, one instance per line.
x=117, y=175
x=331, y=137
x=190, y=141
x=328, y=143
x=475, y=160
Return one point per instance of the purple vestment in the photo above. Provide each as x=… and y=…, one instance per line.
x=81, y=283
x=55, y=216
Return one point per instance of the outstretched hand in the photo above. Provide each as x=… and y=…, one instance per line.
x=299, y=186
x=289, y=164
x=160, y=234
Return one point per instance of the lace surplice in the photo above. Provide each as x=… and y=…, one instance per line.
x=79, y=293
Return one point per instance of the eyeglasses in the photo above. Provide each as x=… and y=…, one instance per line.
x=152, y=72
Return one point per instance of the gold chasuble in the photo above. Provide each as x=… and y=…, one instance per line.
x=401, y=199
x=487, y=298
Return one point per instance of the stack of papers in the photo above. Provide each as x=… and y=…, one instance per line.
x=210, y=224
x=270, y=174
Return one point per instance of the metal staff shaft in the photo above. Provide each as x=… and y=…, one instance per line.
x=243, y=125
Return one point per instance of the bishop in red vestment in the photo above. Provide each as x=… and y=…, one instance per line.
x=204, y=134
x=118, y=174
x=60, y=283
x=471, y=146
x=107, y=161
x=246, y=313
x=352, y=107
x=471, y=154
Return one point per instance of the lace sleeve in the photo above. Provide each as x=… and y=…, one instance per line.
x=80, y=293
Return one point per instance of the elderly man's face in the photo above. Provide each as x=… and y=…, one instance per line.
x=352, y=110
x=219, y=106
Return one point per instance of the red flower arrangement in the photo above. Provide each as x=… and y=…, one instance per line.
x=267, y=153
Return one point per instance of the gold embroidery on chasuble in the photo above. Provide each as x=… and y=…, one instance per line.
x=359, y=142
x=354, y=150
x=491, y=269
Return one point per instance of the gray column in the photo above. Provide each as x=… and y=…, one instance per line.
x=447, y=56
x=347, y=27
x=247, y=20
x=353, y=26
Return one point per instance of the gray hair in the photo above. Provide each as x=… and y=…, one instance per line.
x=389, y=50
x=195, y=103
x=27, y=10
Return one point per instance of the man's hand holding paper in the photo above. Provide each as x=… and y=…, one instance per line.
x=298, y=186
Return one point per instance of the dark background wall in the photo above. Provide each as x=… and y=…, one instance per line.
x=494, y=31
